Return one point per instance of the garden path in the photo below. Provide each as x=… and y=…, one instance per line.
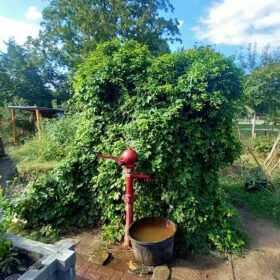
x=261, y=260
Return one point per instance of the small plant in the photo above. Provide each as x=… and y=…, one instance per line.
x=8, y=257
x=46, y=234
x=112, y=233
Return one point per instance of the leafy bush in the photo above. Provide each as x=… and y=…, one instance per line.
x=263, y=144
x=176, y=111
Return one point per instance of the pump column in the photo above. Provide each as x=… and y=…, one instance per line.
x=129, y=199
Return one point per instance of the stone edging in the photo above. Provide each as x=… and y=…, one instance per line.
x=56, y=262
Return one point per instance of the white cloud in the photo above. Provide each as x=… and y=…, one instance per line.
x=181, y=22
x=32, y=13
x=17, y=29
x=239, y=22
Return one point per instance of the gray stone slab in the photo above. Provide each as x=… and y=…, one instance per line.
x=35, y=274
x=161, y=272
x=32, y=246
x=65, y=259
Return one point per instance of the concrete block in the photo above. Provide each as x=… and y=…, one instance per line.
x=57, y=261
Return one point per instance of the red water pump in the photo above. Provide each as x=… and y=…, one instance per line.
x=128, y=159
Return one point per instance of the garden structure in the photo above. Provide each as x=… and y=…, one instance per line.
x=37, y=112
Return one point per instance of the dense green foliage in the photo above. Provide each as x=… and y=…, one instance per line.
x=176, y=111
x=71, y=29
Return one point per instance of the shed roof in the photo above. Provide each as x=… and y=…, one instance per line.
x=44, y=111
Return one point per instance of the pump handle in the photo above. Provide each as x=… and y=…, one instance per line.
x=117, y=160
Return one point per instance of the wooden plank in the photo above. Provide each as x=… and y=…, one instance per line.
x=13, y=114
x=38, y=122
x=272, y=150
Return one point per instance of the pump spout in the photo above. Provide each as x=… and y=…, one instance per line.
x=117, y=160
x=143, y=176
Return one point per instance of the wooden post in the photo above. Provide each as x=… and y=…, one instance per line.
x=38, y=125
x=13, y=113
x=253, y=126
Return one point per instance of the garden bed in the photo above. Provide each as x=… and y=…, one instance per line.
x=26, y=261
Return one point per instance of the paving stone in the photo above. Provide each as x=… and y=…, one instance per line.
x=92, y=275
x=130, y=276
x=117, y=275
x=81, y=278
x=161, y=273
x=94, y=267
x=98, y=255
x=104, y=277
x=83, y=268
x=184, y=270
x=106, y=271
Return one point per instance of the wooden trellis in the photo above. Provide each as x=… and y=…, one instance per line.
x=273, y=159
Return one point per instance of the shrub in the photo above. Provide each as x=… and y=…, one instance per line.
x=263, y=144
x=176, y=111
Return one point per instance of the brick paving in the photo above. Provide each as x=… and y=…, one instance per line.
x=86, y=270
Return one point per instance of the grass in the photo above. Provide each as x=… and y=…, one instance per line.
x=264, y=204
x=260, y=130
x=31, y=169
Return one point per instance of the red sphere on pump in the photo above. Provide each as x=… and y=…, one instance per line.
x=129, y=157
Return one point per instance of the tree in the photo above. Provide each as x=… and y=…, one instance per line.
x=252, y=57
x=262, y=92
x=54, y=75
x=73, y=28
x=20, y=78
x=261, y=69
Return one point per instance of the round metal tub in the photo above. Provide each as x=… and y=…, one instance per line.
x=152, y=253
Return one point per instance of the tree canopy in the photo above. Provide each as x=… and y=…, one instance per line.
x=21, y=78
x=262, y=90
x=71, y=29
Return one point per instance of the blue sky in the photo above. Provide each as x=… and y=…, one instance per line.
x=227, y=24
